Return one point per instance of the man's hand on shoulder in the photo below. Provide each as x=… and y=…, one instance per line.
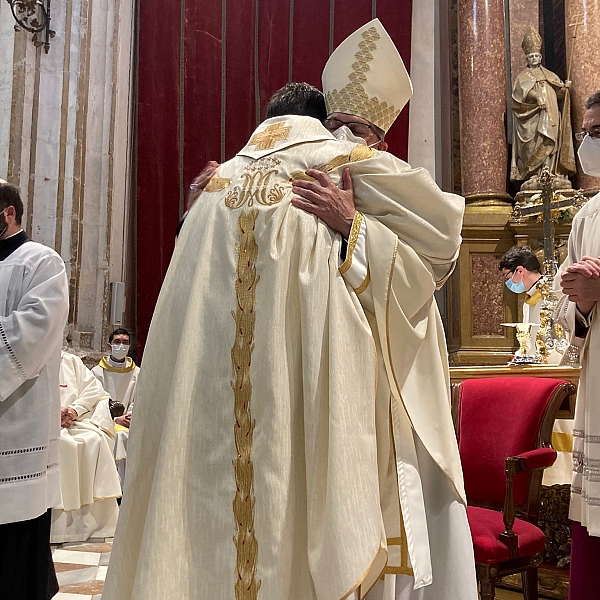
x=68, y=416
x=199, y=182
x=325, y=200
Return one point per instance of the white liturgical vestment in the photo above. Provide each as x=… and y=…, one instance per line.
x=584, y=240
x=33, y=312
x=277, y=451
x=89, y=481
x=120, y=383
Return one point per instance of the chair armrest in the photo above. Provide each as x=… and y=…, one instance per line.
x=539, y=458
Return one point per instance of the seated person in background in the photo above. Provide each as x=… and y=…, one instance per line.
x=118, y=375
x=89, y=483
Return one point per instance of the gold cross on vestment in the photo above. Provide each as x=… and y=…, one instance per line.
x=265, y=140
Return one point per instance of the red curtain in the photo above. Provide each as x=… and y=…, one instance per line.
x=205, y=72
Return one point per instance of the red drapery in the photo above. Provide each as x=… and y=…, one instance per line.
x=205, y=72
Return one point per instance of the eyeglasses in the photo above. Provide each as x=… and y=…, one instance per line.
x=357, y=128
x=510, y=274
x=594, y=133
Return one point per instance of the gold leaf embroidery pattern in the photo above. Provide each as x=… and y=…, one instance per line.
x=246, y=544
x=352, y=98
x=217, y=184
x=255, y=188
x=265, y=140
x=359, y=153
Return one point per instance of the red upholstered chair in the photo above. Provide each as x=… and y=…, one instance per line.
x=504, y=427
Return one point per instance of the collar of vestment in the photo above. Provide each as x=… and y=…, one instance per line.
x=278, y=133
x=129, y=365
x=10, y=244
x=534, y=294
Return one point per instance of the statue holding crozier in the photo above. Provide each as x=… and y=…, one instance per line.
x=542, y=135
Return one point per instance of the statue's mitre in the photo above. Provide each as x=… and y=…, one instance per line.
x=365, y=76
x=532, y=42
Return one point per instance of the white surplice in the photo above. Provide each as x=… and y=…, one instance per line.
x=264, y=451
x=89, y=481
x=33, y=312
x=120, y=383
x=584, y=240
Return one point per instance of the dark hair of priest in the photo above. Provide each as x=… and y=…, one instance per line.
x=297, y=99
x=592, y=100
x=520, y=256
x=120, y=331
x=9, y=196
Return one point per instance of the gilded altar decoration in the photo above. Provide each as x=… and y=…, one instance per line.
x=256, y=188
x=265, y=140
x=359, y=153
x=246, y=585
x=217, y=184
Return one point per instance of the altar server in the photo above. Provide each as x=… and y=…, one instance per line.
x=118, y=375
x=33, y=313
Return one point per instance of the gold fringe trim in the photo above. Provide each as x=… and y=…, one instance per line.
x=246, y=586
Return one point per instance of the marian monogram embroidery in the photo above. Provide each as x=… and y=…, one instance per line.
x=257, y=186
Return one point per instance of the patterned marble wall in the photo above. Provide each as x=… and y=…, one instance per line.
x=487, y=293
x=65, y=140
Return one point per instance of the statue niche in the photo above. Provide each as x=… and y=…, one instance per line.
x=542, y=135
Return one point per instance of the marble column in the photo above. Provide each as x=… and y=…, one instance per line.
x=477, y=301
x=482, y=91
x=582, y=23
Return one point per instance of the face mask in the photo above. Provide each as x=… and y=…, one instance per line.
x=589, y=156
x=517, y=288
x=118, y=351
x=344, y=134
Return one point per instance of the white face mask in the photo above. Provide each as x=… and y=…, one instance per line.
x=344, y=134
x=589, y=156
x=119, y=351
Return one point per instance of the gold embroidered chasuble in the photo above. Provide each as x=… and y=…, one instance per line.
x=255, y=460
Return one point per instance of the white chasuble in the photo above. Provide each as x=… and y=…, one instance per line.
x=584, y=240
x=89, y=482
x=33, y=313
x=254, y=467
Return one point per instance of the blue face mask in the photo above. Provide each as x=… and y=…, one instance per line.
x=517, y=288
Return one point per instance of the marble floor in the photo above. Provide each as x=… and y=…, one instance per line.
x=81, y=569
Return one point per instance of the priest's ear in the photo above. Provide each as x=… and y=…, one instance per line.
x=10, y=214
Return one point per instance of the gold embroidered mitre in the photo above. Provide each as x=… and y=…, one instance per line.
x=532, y=42
x=365, y=76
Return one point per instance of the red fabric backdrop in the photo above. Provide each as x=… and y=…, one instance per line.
x=205, y=72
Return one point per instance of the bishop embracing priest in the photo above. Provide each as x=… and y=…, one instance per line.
x=295, y=440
